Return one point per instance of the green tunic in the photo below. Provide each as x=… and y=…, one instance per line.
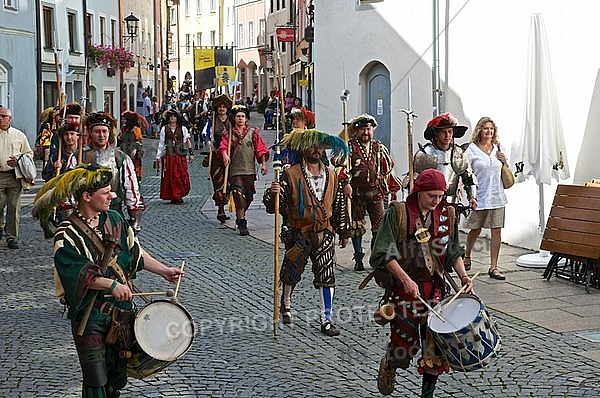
x=77, y=264
x=386, y=248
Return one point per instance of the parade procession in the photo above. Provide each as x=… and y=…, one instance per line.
x=337, y=198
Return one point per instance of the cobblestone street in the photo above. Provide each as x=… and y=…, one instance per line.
x=228, y=291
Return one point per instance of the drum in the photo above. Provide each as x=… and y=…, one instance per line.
x=468, y=337
x=164, y=332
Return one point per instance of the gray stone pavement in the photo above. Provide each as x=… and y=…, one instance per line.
x=228, y=291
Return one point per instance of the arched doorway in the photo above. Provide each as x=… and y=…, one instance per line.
x=378, y=98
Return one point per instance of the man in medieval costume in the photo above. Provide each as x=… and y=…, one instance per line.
x=312, y=199
x=97, y=255
x=102, y=151
x=371, y=178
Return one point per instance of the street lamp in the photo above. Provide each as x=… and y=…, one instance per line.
x=131, y=22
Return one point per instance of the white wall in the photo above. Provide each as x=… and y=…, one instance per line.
x=487, y=70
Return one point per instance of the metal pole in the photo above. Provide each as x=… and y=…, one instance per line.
x=435, y=66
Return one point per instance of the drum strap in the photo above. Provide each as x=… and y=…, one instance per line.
x=423, y=236
x=99, y=245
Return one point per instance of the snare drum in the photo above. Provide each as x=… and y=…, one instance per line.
x=468, y=337
x=164, y=332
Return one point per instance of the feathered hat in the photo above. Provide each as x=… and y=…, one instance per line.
x=360, y=121
x=237, y=109
x=72, y=183
x=301, y=140
x=67, y=127
x=47, y=114
x=103, y=119
x=444, y=121
x=221, y=99
x=134, y=119
x=72, y=109
x=304, y=114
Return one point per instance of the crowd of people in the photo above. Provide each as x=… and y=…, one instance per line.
x=327, y=187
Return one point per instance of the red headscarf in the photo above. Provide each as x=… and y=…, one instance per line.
x=427, y=180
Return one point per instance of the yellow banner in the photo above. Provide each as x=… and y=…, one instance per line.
x=204, y=58
x=225, y=74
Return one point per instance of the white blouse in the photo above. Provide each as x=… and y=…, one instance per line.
x=490, y=191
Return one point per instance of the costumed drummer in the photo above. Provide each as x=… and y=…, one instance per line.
x=417, y=260
x=90, y=268
x=313, y=202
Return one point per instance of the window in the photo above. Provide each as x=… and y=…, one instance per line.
x=173, y=16
x=213, y=5
x=271, y=7
x=251, y=39
x=241, y=35
x=11, y=4
x=262, y=40
x=102, y=27
x=72, y=25
x=199, y=39
x=198, y=7
x=213, y=38
x=48, y=16
x=88, y=27
x=186, y=7
x=113, y=32
x=187, y=43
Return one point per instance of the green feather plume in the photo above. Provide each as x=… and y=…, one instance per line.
x=64, y=186
x=301, y=140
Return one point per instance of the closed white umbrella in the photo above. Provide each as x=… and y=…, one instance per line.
x=540, y=150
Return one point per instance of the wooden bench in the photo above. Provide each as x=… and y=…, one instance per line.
x=573, y=231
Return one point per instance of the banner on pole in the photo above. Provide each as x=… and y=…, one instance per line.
x=210, y=63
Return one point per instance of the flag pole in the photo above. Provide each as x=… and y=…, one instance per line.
x=277, y=169
x=410, y=115
x=344, y=98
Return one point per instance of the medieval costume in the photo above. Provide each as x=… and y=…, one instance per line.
x=372, y=177
x=424, y=236
x=216, y=126
x=44, y=138
x=124, y=181
x=452, y=161
x=173, y=147
x=96, y=257
x=130, y=138
x=312, y=200
x=239, y=154
x=50, y=171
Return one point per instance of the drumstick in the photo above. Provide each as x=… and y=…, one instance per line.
x=462, y=289
x=168, y=293
x=174, y=298
x=431, y=309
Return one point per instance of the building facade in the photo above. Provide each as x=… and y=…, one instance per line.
x=18, y=85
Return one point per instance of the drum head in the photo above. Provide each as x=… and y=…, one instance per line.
x=460, y=313
x=164, y=330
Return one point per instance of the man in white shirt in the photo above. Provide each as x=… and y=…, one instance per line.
x=13, y=143
x=146, y=111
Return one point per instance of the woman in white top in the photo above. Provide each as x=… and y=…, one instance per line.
x=487, y=156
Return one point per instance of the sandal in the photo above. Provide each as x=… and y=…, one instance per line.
x=495, y=274
x=467, y=263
